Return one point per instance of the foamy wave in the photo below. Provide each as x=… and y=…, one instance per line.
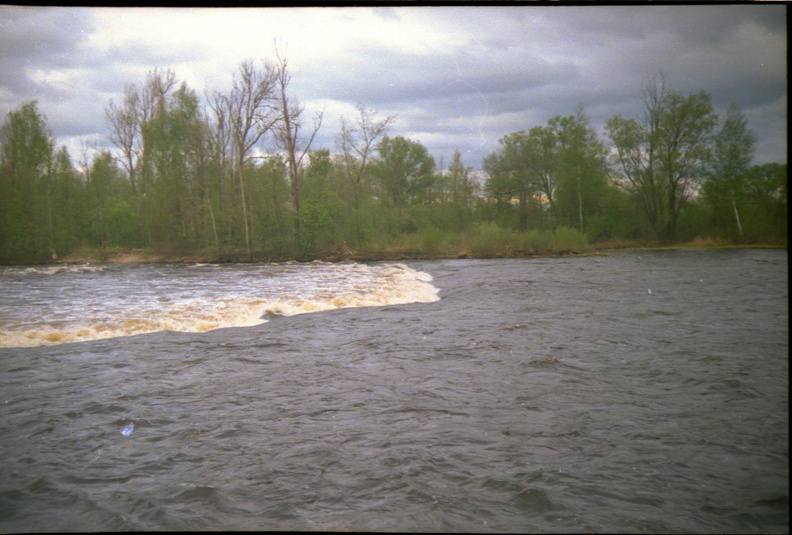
x=349, y=285
x=171, y=321
x=51, y=270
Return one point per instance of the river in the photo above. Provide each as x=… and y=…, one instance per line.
x=638, y=392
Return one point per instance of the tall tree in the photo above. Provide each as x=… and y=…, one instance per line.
x=102, y=179
x=579, y=167
x=68, y=217
x=405, y=167
x=125, y=122
x=463, y=190
x=322, y=214
x=524, y=168
x=170, y=138
x=288, y=136
x=733, y=153
x=220, y=166
x=358, y=140
x=249, y=114
x=497, y=185
x=154, y=100
x=27, y=143
x=130, y=131
x=767, y=191
x=509, y=175
x=541, y=157
x=26, y=151
x=664, y=156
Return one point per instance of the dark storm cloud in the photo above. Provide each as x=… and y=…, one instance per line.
x=688, y=24
x=720, y=49
x=736, y=53
x=600, y=57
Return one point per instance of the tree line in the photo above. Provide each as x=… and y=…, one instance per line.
x=192, y=175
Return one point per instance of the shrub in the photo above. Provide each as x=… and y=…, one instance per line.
x=432, y=239
x=488, y=239
x=565, y=239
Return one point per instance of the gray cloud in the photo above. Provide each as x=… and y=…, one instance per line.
x=37, y=38
x=595, y=57
x=384, y=76
x=474, y=74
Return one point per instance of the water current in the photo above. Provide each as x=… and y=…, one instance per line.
x=638, y=392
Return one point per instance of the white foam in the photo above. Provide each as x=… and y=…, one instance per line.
x=217, y=302
x=51, y=270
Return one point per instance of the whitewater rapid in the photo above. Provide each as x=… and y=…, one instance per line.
x=46, y=305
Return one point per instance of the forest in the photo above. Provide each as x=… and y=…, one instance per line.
x=235, y=176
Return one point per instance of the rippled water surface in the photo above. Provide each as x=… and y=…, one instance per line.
x=638, y=392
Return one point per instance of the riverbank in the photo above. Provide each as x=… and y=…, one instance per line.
x=142, y=256
x=389, y=254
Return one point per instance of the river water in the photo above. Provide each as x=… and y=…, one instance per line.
x=640, y=392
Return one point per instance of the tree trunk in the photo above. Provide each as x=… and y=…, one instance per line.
x=244, y=212
x=737, y=217
x=214, y=226
x=523, y=211
x=50, y=229
x=580, y=202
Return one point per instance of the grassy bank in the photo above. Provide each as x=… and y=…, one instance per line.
x=484, y=241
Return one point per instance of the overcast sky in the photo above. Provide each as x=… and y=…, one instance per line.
x=456, y=78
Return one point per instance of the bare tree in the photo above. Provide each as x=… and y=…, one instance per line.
x=125, y=130
x=128, y=119
x=288, y=137
x=219, y=145
x=159, y=85
x=357, y=141
x=245, y=115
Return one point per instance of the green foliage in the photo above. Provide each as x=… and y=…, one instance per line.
x=618, y=217
x=727, y=187
x=26, y=185
x=489, y=239
x=693, y=222
x=404, y=170
x=434, y=240
x=664, y=157
x=27, y=147
x=550, y=175
x=321, y=207
x=564, y=238
x=580, y=169
x=756, y=199
x=523, y=170
x=191, y=177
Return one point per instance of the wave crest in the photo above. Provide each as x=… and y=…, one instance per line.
x=297, y=289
